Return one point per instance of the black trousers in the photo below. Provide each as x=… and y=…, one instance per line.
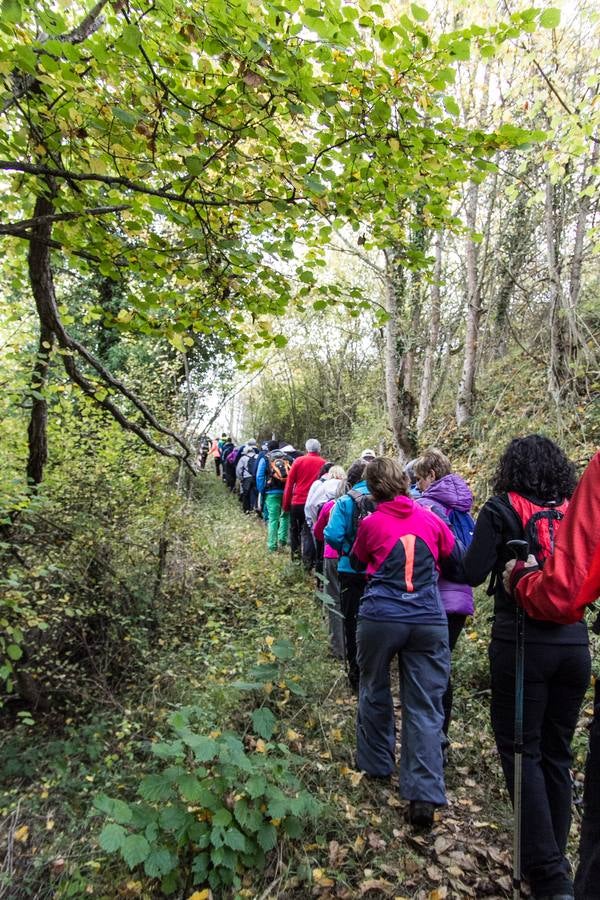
x=456, y=623
x=351, y=591
x=556, y=678
x=297, y=522
x=587, y=880
x=218, y=466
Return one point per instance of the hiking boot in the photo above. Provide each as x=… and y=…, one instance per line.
x=421, y=814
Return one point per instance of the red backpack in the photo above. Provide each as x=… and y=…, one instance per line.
x=540, y=524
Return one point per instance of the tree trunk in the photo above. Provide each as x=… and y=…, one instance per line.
x=395, y=283
x=558, y=368
x=432, y=339
x=42, y=286
x=466, y=389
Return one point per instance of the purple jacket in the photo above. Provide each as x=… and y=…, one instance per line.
x=450, y=492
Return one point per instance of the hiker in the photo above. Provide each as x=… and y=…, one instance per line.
x=215, y=452
x=204, y=448
x=331, y=582
x=227, y=456
x=325, y=488
x=409, y=471
x=271, y=477
x=401, y=547
x=449, y=497
x=559, y=592
x=243, y=471
x=354, y=503
x=302, y=474
x=533, y=482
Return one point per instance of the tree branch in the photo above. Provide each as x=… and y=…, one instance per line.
x=17, y=227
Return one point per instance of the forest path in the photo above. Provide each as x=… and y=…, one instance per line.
x=241, y=632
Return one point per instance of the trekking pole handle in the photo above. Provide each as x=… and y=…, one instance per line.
x=520, y=549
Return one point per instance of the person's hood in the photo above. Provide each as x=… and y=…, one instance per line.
x=330, y=487
x=360, y=486
x=451, y=491
x=400, y=507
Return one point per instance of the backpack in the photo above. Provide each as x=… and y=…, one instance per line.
x=364, y=505
x=278, y=469
x=252, y=465
x=540, y=524
x=462, y=525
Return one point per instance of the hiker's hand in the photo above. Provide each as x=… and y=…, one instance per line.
x=531, y=563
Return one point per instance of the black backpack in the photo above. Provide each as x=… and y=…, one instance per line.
x=364, y=505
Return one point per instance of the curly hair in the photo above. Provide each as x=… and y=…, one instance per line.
x=536, y=466
x=432, y=460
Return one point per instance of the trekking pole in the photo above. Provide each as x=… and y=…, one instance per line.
x=521, y=551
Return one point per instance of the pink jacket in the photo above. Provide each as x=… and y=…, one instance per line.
x=322, y=520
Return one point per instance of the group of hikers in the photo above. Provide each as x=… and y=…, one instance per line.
x=397, y=554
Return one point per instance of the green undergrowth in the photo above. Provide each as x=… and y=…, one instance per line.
x=224, y=763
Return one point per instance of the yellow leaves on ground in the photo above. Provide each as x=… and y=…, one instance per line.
x=322, y=879
x=354, y=777
x=206, y=894
x=22, y=834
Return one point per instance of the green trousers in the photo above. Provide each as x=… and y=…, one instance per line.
x=277, y=523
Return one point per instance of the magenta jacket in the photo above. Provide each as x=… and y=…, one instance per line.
x=318, y=531
x=401, y=547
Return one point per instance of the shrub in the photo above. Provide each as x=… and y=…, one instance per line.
x=212, y=812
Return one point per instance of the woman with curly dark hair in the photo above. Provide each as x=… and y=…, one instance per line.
x=533, y=483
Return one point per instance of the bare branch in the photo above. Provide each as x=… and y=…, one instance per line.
x=17, y=227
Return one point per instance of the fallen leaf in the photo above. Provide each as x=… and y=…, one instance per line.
x=337, y=854
x=376, y=842
x=22, y=834
x=359, y=845
x=320, y=878
x=201, y=895
x=375, y=884
x=441, y=845
x=439, y=893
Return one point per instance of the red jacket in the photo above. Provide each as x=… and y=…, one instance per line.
x=570, y=579
x=302, y=474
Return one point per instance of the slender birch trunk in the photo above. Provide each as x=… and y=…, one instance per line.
x=432, y=338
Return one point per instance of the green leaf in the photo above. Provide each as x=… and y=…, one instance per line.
x=135, y=849
x=159, y=862
x=222, y=817
x=283, y=649
x=190, y=788
x=112, y=837
x=264, y=722
x=12, y=11
x=550, y=18
x=203, y=748
x=155, y=788
x=235, y=839
x=14, y=651
x=292, y=826
x=194, y=165
x=452, y=106
x=131, y=38
x=419, y=14
x=256, y=786
x=267, y=837
x=174, y=818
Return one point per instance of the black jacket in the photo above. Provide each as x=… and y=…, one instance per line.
x=498, y=523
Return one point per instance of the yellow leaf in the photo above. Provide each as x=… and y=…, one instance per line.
x=359, y=845
x=292, y=735
x=261, y=747
x=269, y=641
x=336, y=734
x=22, y=834
x=320, y=878
x=201, y=895
x=49, y=824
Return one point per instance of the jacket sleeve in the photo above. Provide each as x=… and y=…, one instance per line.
x=289, y=487
x=322, y=520
x=359, y=554
x=261, y=475
x=310, y=509
x=239, y=469
x=570, y=579
x=482, y=554
x=335, y=531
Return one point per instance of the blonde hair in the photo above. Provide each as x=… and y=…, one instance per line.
x=432, y=460
x=337, y=472
x=386, y=479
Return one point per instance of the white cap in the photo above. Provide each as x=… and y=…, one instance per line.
x=368, y=454
x=288, y=449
